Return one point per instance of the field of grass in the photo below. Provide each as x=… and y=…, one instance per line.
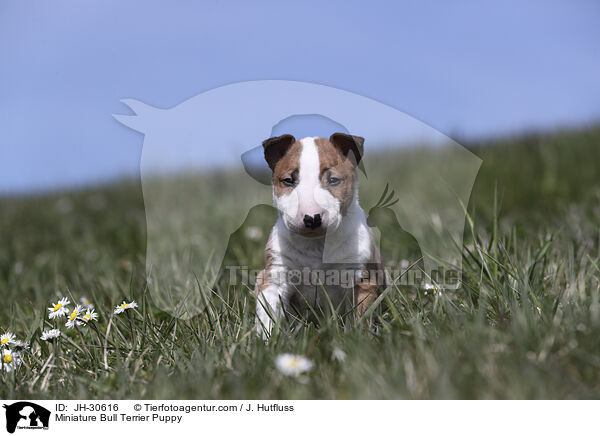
x=524, y=324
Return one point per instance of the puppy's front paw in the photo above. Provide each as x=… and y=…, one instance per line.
x=264, y=323
x=268, y=311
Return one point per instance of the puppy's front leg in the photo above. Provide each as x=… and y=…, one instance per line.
x=366, y=290
x=268, y=305
x=366, y=294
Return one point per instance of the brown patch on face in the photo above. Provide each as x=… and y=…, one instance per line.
x=287, y=168
x=339, y=169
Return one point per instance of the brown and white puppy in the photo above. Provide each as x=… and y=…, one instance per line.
x=321, y=233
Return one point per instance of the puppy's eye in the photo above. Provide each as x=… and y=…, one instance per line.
x=288, y=181
x=333, y=181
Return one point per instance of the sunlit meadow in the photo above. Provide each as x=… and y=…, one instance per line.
x=77, y=321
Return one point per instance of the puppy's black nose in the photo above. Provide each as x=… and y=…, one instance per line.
x=312, y=222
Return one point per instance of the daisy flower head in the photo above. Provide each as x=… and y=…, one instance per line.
x=124, y=306
x=253, y=233
x=292, y=364
x=338, y=354
x=10, y=359
x=7, y=339
x=21, y=345
x=429, y=287
x=90, y=315
x=72, y=321
x=50, y=334
x=59, y=309
x=85, y=302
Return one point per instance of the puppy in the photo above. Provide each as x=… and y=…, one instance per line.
x=321, y=251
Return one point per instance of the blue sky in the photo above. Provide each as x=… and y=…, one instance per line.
x=468, y=69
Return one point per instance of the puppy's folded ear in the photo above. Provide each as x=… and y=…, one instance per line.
x=276, y=148
x=349, y=145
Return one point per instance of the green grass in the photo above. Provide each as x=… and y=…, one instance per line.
x=525, y=323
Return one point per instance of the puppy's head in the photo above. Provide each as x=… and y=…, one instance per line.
x=314, y=180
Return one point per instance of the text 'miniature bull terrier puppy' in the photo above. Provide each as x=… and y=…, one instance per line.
x=321, y=233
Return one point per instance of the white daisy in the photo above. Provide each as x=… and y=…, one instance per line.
x=50, y=334
x=124, y=306
x=10, y=360
x=59, y=309
x=85, y=302
x=73, y=317
x=7, y=339
x=253, y=233
x=292, y=364
x=338, y=354
x=21, y=344
x=90, y=315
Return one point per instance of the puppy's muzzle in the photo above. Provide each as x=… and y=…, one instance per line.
x=312, y=222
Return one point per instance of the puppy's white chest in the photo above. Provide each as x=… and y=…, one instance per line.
x=319, y=271
x=314, y=283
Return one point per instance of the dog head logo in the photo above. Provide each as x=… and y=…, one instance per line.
x=26, y=415
x=191, y=217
